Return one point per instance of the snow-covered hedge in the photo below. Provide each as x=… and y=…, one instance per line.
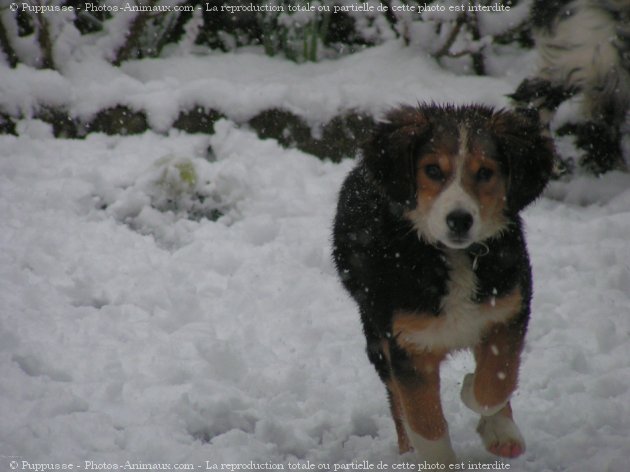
x=75, y=44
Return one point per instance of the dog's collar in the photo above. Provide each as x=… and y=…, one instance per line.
x=477, y=250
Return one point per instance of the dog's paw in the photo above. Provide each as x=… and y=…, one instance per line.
x=438, y=451
x=501, y=436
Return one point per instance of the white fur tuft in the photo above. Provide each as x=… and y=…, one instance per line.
x=437, y=451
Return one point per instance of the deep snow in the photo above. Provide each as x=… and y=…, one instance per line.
x=129, y=333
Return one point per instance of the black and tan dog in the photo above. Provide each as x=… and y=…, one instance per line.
x=429, y=242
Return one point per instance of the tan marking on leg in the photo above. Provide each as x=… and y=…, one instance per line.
x=510, y=303
x=420, y=397
x=395, y=407
x=506, y=411
x=399, y=420
x=498, y=361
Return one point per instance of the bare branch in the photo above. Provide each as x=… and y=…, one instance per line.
x=446, y=47
x=45, y=42
x=132, y=41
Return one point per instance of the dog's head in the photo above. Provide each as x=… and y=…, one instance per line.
x=460, y=174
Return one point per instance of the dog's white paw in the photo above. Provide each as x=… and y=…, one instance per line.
x=437, y=451
x=501, y=436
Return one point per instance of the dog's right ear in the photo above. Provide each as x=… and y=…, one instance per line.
x=390, y=154
x=529, y=154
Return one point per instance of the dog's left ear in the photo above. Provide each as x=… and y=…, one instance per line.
x=527, y=154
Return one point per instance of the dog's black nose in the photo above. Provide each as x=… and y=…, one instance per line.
x=459, y=221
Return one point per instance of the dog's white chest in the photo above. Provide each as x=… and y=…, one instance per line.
x=462, y=321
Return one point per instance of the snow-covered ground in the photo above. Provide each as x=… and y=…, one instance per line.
x=133, y=333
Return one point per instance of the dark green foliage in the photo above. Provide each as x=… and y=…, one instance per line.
x=340, y=137
x=64, y=126
x=7, y=126
x=119, y=120
x=25, y=23
x=87, y=21
x=197, y=120
x=281, y=125
x=600, y=143
x=226, y=31
x=6, y=47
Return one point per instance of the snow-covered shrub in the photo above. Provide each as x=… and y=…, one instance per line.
x=186, y=187
x=334, y=140
x=149, y=32
x=44, y=33
x=197, y=119
x=119, y=120
x=300, y=31
x=459, y=35
x=170, y=192
x=33, y=37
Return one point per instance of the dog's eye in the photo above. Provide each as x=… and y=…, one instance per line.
x=434, y=172
x=484, y=174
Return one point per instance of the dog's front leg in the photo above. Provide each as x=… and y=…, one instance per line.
x=488, y=390
x=415, y=386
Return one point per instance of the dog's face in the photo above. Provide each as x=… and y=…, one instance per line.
x=460, y=189
x=460, y=174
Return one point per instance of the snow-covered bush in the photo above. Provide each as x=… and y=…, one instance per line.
x=459, y=35
x=171, y=191
x=300, y=31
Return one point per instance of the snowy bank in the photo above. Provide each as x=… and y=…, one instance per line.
x=241, y=85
